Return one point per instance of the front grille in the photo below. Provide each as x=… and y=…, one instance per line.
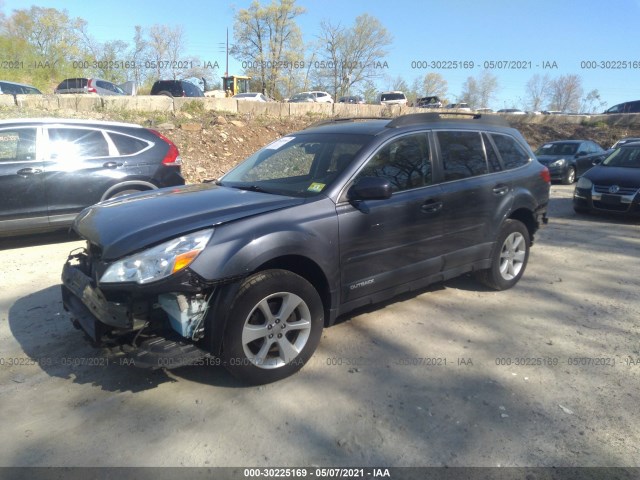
x=622, y=191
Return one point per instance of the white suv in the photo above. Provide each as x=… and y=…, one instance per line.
x=321, y=97
x=393, y=98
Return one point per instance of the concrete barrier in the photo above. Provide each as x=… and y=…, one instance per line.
x=267, y=109
x=7, y=101
x=79, y=102
x=138, y=103
x=310, y=109
x=38, y=102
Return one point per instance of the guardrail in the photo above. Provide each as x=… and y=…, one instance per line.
x=161, y=103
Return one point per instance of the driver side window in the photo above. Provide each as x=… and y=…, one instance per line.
x=405, y=162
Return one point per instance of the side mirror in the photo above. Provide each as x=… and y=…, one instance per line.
x=370, y=188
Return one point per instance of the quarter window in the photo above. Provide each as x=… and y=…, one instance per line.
x=127, y=145
x=405, y=162
x=462, y=155
x=513, y=155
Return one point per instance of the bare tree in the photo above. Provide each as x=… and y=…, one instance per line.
x=166, y=46
x=538, y=90
x=478, y=92
x=593, y=103
x=354, y=54
x=265, y=36
x=434, y=84
x=566, y=93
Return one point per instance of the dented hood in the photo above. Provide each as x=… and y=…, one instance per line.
x=124, y=225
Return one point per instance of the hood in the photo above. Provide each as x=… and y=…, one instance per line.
x=124, y=225
x=622, y=176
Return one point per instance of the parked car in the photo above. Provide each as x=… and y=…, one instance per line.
x=248, y=270
x=302, y=98
x=429, y=102
x=89, y=85
x=484, y=110
x=460, y=107
x=356, y=99
x=50, y=169
x=511, y=111
x=622, y=141
x=252, y=97
x=320, y=96
x=393, y=98
x=612, y=185
x=176, y=88
x=625, y=107
x=13, y=88
x=569, y=159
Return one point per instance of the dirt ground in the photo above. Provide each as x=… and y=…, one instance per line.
x=545, y=374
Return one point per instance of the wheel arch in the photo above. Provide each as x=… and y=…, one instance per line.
x=527, y=217
x=128, y=185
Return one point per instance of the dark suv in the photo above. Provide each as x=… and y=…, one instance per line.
x=245, y=272
x=176, y=88
x=51, y=169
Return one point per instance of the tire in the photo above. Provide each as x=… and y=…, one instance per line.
x=165, y=93
x=509, y=257
x=570, y=176
x=255, y=350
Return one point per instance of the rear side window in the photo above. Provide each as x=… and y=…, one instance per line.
x=462, y=155
x=405, y=162
x=127, y=145
x=492, y=157
x=17, y=144
x=77, y=143
x=513, y=155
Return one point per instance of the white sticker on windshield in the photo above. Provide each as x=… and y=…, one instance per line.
x=548, y=145
x=279, y=143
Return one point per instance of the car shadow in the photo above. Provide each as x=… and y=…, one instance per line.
x=47, y=337
x=37, y=239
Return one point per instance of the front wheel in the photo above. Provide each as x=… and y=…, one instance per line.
x=274, y=326
x=509, y=257
x=569, y=176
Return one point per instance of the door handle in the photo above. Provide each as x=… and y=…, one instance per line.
x=500, y=189
x=111, y=165
x=29, y=171
x=431, y=206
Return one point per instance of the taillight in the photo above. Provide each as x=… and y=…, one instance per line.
x=90, y=87
x=546, y=176
x=172, y=158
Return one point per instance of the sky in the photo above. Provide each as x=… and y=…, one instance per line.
x=561, y=36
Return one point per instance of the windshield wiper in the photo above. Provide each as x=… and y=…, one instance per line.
x=250, y=188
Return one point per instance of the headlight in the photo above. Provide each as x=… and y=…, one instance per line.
x=584, y=183
x=160, y=261
x=558, y=163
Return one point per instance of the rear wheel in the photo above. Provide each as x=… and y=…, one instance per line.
x=569, y=176
x=275, y=323
x=509, y=257
x=124, y=192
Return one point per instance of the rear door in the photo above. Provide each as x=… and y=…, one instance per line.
x=81, y=163
x=474, y=192
x=385, y=243
x=22, y=193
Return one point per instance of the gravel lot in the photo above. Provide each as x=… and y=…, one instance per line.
x=427, y=380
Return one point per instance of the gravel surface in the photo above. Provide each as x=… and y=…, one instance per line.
x=545, y=374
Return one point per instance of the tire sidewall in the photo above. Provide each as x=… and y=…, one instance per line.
x=253, y=290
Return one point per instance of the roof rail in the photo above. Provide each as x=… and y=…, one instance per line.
x=339, y=120
x=418, y=118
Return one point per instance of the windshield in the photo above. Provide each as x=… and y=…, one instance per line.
x=558, y=149
x=299, y=165
x=624, y=157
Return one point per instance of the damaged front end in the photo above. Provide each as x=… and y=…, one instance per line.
x=157, y=323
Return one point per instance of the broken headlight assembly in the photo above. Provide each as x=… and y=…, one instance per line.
x=160, y=261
